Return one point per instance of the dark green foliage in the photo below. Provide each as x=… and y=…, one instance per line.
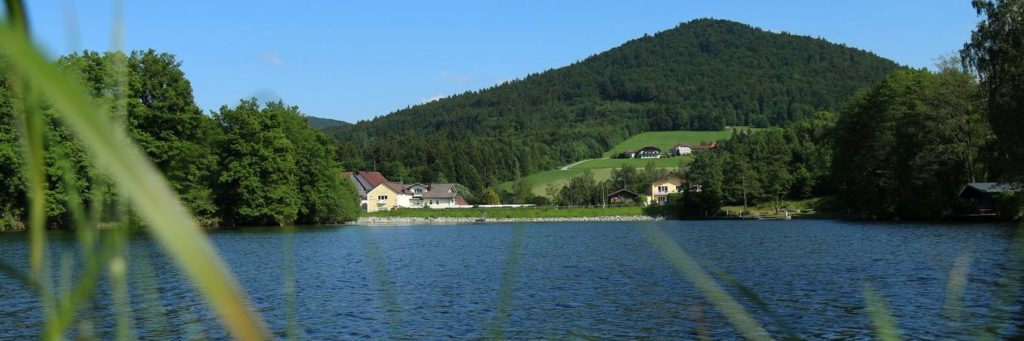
x=277, y=170
x=164, y=119
x=12, y=181
x=996, y=52
x=247, y=166
x=702, y=75
x=793, y=162
x=1010, y=205
x=905, y=147
x=258, y=183
x=324, y=123
x=702, y=194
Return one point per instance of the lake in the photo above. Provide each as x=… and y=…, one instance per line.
x=567, y=280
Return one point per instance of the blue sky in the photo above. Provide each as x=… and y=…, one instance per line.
x=353, y=60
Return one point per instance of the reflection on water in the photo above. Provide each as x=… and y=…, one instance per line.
x=601, y=280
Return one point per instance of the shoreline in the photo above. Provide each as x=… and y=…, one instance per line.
x=472, y=220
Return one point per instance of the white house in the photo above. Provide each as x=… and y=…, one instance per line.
x=681, y=149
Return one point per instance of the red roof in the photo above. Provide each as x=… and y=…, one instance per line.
x=394, y=186
x=460, y=201
x=374, y=178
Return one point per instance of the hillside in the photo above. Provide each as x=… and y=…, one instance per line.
x=666, y=139
x=602, y=167
x=324, y=123
x=701, y=75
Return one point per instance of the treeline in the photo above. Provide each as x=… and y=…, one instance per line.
x=792, y=162
x=902, y=149
x=906, y=147
x=701, y=75
x=247, y=165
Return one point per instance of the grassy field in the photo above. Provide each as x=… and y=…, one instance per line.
x=669, y=162
x=601, y=168
x=541, y=212
x=666, y=139
x=559, y=178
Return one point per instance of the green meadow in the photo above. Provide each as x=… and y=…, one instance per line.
x=602, y=168
x=666, y=139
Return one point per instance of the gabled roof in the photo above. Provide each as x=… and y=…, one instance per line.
x=460, y=201
x=373, y=178
x=624, y=191
x=650, y=148
x=441, y=191
x=681, y=145
x=365, y=181
x=992, y=187
x=394, y=187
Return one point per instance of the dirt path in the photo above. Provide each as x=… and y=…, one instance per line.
x=578, y=162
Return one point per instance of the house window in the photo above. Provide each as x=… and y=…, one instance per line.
x=382, y=197
x=662, y=189
x=662, y=200
x=419, y=191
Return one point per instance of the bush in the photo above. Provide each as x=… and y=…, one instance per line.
x=1010, y=205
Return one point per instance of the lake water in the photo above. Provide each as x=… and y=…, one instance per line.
x=567, y=280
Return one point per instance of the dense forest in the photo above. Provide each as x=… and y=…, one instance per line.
x=701, y=75
x=250, y=164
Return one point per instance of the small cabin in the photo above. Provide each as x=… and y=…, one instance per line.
x=623, y=197
x=981, y=196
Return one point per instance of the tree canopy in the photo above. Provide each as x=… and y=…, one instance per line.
x=243, y=165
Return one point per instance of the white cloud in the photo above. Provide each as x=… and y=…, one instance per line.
x=272, y=59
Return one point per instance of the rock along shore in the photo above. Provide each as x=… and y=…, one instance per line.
x=467, y=220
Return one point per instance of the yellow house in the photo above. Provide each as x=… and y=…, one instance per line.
x=385, y=197
x=661, y=188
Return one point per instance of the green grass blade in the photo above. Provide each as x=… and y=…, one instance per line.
x=692, y=271
x=881, y=318
x=32, y=136
x=1008, y=290
x=117, y=269
x=955, y=285
x=508, y=283
x=168, y=220
x=753, y=297
x=291, y=329
x=389, y=296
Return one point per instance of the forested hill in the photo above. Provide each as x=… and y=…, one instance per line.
x=701, y=75
x=324, y=123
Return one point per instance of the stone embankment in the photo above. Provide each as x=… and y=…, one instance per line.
x=465, y=220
